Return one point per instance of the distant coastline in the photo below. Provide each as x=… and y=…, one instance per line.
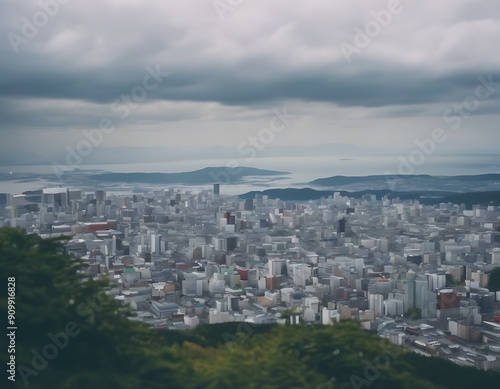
x=246, y=182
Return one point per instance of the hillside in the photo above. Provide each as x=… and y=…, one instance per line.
x=206, y=175
x=402, y=181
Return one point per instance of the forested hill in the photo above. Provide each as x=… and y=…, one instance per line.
x=422, y=180
x=203, y=176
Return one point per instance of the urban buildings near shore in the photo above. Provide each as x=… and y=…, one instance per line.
x=416, y=275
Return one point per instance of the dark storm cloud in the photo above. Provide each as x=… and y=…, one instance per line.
x=374, y=88
x=77, y=70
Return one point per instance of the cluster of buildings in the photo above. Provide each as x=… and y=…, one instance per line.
x=416, y=275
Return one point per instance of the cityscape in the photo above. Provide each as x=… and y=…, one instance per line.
x=415, y=274
x=252, y=194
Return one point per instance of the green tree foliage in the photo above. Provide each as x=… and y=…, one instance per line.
x=62, y=314
x=339, y=356
x=99, y=347
x=494, y=282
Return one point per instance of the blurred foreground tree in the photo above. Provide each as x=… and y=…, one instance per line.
x=70, y=333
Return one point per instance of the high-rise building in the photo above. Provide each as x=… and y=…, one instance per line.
x=341, y=225
x=495, y=257
x=216, y=189
x=410, y=291
x=156, y=244
x=232, y=243
x=248, y=206
x=422, y=297
x=275, y=266
x=74, y=194
x=100, y=196
x=376, y=303
x=55, y=197
x=447, y=299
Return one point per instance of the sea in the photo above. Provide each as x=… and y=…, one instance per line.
x=16, y=179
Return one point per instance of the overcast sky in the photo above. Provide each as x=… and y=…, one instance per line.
x=230, y=66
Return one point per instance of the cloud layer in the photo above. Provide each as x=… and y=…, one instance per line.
x=231, y=62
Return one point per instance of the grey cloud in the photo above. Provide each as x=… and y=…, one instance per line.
x=203, y=68
x=264, y=54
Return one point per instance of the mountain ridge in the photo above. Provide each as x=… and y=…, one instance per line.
x=207, y=175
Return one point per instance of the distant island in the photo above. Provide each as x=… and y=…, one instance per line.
x=208, y=175
x=402, y=182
